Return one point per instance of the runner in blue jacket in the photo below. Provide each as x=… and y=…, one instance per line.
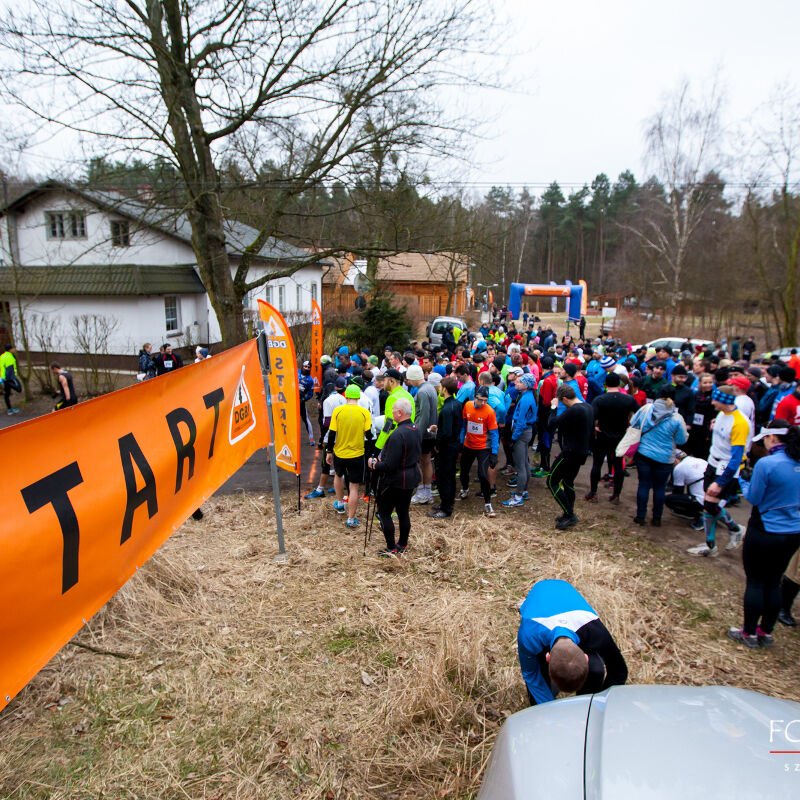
x=563, y=645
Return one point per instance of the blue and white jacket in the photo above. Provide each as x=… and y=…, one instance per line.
x=553, y=610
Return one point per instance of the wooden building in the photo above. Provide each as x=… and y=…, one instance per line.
x=428, y=284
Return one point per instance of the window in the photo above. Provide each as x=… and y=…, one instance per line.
x=281, y=298
x=299, y=293
x=268, y=294
x=120, y=233
x=314, y=291
x=65, y=224
x=171, y=314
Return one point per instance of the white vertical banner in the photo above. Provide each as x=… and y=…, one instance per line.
x=553, y=300
x=567, y=298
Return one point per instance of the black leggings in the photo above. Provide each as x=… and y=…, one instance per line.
x=561, y=482
x=605, y=449
x=467, y=457
x=398, y=500
x=7, y=395
x=765, y=557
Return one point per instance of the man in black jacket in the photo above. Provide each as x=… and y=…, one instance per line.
x=448, y=442
x=398, y=474
x=575, y=426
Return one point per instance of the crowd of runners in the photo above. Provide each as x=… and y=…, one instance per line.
x=508, y=403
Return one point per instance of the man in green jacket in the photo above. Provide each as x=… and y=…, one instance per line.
x=8, y=375
x=394, y=385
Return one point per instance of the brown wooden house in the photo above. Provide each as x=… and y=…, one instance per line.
x=428, y=284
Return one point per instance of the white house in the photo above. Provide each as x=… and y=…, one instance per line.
x=75, y=256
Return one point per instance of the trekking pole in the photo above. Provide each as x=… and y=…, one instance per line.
x=366, y=526
x=371, y=520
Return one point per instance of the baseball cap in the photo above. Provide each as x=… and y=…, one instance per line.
x=341, y=383
x=306, y=364
x=394, y=373
x=515, y=371
x=352, y=392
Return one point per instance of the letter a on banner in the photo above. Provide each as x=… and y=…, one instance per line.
x=316, y=344
x=283, y=385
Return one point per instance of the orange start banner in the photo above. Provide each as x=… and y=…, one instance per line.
x=96, y=489
x=284, y=387
x=316, y=345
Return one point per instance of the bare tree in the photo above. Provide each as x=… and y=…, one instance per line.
x=772, y=211
x=683, y=145
x=310, y=86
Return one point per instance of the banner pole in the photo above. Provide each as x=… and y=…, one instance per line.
x=273, y=465
x=299, y=492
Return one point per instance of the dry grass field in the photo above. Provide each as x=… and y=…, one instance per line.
x=217, y=673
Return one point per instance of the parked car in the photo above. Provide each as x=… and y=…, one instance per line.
x=435, y=330
x=784, y=354
x=675, y=343
x=635, y=742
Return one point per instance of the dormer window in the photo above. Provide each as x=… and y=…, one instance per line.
x=65, y=224
x=120, y=233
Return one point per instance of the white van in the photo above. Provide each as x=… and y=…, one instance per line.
x=435, y=330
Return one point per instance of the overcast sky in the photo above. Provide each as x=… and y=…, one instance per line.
x=593, y=72
x=584, y=75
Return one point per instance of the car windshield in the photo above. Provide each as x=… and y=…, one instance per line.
x=440, y=327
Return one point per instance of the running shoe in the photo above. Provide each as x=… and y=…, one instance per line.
x=339, y=507
x=512, y=482
x=697, y=525
x=439, y=514
x=614, y=499
x=488, y=510
x=704, y=550
x=567, y=521
x=735, y=539
x=312, y=443
x=516, y=501
x=315, y=494
x=590, y=497
x=764, y=639
x=331, y=491
x=352, y=522
x=639, y=521
x=539, y=473
x=748, y=640
x=388, y=553
x=463, y=494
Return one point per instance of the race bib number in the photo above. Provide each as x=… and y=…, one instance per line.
x=475, y=428
x=698, y=419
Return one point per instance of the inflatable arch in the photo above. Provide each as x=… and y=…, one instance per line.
x=577, y=297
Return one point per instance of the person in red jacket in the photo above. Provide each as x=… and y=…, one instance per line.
x=789, y=407
x=548, y=385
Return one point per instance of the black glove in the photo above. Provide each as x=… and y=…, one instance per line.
x=493, y=460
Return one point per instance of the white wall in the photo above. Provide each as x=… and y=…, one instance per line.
x=303, y=279
x=139, y=320
x=35, y=249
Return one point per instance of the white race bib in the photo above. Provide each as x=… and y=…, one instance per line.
x=698, y=419
x=475, y=428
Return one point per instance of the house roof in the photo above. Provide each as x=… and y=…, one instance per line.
x=122, y=280
x=407, y=268
x=167, y=220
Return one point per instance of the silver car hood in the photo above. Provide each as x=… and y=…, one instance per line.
x=648, y=742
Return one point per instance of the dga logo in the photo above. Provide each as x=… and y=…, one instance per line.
x=285, y=455
x=315, y=316
x=274, y=329
x=243, y=418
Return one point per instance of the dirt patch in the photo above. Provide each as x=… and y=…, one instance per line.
x=218, y=673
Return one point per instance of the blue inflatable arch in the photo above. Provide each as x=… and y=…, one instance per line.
x=520, y=290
